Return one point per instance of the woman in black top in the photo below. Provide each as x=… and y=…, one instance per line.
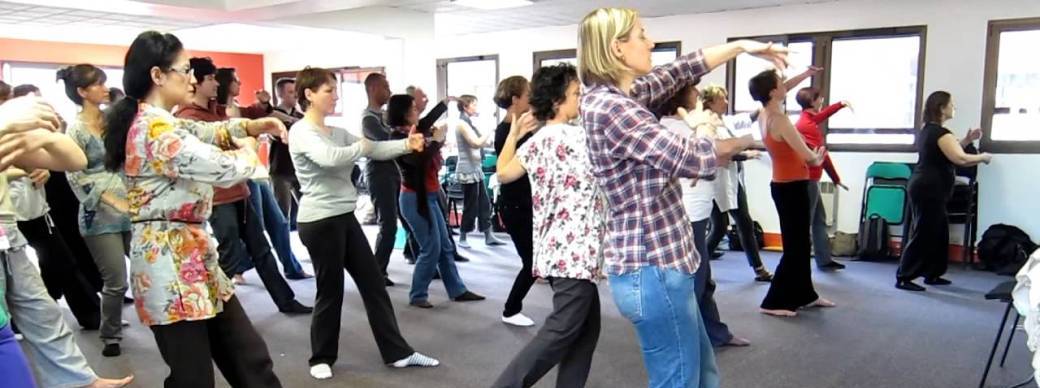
x=514, y=202
x=938, y=150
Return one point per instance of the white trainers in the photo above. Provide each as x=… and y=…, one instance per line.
x=19, y=337
x=321, y=371
x=518, y=319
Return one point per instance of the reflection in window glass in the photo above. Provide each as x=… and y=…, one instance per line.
x=882, y=88
x=663, y=57
x=870, y=138
x=477, y=78
x=43, y=76
x=1017, y=99
x=799, y=59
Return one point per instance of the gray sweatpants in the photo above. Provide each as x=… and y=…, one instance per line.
x=109, y=251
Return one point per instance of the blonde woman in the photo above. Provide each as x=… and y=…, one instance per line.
x=650, y=255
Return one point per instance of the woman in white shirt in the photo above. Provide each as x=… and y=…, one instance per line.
x=570, y=227
x=698, y=196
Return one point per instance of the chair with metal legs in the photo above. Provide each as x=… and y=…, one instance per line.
x=1001, y=292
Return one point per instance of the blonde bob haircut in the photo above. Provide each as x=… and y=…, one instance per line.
x=711, y=93
x=597, y=63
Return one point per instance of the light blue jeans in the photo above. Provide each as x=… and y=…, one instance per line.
x=51, y=345
x=262, y=196
x=436, y=251
x=662, y=305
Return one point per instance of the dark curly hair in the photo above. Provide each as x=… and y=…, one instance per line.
x=549, y=87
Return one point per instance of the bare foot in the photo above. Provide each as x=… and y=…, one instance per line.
x=780, y=313
x=112, y=383
x=821, y=302
x=737, y=342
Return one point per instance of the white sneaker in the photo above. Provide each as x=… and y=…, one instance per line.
x=124, y=323
x=18, y=337
x=518, y=319
x=321, y=371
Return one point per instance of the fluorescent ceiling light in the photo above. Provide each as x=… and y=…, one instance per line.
x=493, y=4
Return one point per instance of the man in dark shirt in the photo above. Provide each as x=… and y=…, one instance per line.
x=236, y=226
x=384, y=180
x=283, y=174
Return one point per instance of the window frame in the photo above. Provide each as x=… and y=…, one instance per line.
x=339, y=72
x=442, y=74
x=541, y=56
x=989, y=87
x=822, y=47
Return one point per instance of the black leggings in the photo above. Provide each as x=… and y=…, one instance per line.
x=518, y=221
x=338, y=243
x=792, y=285
x=745, y=228
x=476, y=207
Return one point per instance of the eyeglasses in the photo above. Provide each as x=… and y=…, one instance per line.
x=186, y=70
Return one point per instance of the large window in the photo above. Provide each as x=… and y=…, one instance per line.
x=476, y=76
x=663, y=53
x=1011, y=87
x=353, y=99
x=43, y=75
x=885, y=91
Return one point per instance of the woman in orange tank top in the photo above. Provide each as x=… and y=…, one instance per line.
x=792, y=286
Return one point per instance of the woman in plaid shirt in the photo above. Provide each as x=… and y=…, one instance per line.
x=650, y=257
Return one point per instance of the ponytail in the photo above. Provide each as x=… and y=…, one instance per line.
x=151, y=49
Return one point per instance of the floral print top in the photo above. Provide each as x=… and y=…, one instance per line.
x=171, y=167
x=569, y=208
x=96, y=216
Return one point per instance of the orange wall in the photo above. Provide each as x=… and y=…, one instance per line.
x=250, y=67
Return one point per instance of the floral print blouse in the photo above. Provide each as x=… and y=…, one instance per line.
x=95, y=216
x=569, y=209
x=171, y=168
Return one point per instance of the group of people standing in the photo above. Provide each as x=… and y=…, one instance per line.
x=610, y=169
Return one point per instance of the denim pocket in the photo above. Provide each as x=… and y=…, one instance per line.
x=628, y=295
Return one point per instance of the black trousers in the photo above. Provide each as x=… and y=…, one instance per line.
x=60, y=272
x=476, y=207
x=745, y=228
x=191, y=347
x=518, y=220
x=335, y=244
x=384, y=190
x=926, y=252
x=65, y=215
x=567, y=339
x=287, y=193
x=240, y=236
x=792, y=285
x=704, y=287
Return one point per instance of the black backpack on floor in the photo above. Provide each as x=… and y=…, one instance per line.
x=873, y=239
x=1004, y=249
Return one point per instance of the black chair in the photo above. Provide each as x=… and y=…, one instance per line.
x=1001, y=292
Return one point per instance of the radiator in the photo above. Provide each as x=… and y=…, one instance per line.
x=829, y=198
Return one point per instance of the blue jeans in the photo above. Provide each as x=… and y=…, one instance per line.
x=436, y=251
x=661, y=303
x=262, y=197
x=51, y=343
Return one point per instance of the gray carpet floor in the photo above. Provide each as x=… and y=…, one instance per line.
x=878, y=336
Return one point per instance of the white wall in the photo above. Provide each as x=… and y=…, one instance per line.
x=956, y=45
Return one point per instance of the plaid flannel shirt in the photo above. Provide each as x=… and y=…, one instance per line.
x=637, y=161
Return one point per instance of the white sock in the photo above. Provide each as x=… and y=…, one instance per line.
x=321, y=371
x=416, y=359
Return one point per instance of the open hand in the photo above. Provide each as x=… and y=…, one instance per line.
x=39, y=177
x=974, y=134
x=263, y=96
x=821, y=153
x=523, y=125
x=769, y=51
x=269, y=125
x=245, y=142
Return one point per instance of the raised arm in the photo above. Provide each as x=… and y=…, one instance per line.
x=431, y=118
x=509, y=168
x=308, y=143
x=383, y=150
x=827, y=112
x=793, y=82
x=181, y=155
x=51, y=151
x=953, y=150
